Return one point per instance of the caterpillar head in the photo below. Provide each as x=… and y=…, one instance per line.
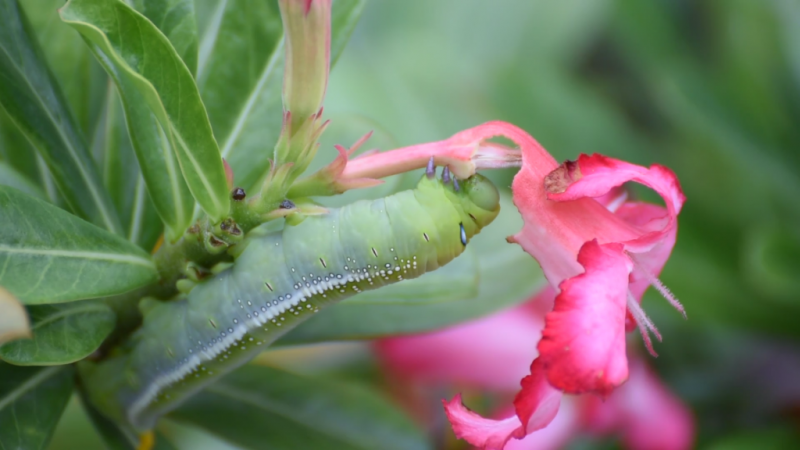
x=479, y=202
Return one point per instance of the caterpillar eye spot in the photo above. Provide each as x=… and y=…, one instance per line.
x=287, y=204
x=213, y=324
x=463, y=234
x=374, y=252
x=425, y=235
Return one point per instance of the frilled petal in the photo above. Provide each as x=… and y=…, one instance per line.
x=554, y=231
x=595, y=175
x=556, y=435
x=583, y=343
x=652, y=218
x=492, y=352
x=644, y=413
x=536, y=406
x=487, y=434
x=537, y=402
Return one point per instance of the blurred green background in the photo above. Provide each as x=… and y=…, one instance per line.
x=710, y=88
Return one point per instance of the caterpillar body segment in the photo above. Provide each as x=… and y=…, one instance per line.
x=277, y=281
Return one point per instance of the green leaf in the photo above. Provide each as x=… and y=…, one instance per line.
x=240, y=75
x=117, y=436
x=165, y=113
x=489, y=276
x=10, y=177
x=16, y=151
x=36, y=105
x=266, y=408
x=62, y=334
x=50, y=256
x=175, y=18
x=80, y=77
x=31, y=402
x=123, y=178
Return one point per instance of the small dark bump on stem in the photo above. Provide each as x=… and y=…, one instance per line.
x=238, y=194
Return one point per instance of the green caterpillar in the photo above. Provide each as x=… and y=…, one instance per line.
x=277, y=281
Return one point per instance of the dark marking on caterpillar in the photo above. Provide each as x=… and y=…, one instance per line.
x=287, y=204
x=186, y=344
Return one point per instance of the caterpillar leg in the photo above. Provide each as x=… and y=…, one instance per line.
x=146, y=440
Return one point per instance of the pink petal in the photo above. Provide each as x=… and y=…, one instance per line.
x=537, y=403
x=583, y=343
x=654, y=218
x=493, y=352
x=554, y=231
x=647, y=415
x=556, y=435
x=595, y=175
x=483, y=433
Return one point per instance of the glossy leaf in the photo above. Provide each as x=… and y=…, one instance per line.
x=16, y=151
x=80, y=77
x=175, y=18
x=36, y=105
x=10, y=177
x=240, y=75
x=31, y=403
x=123, y=178
x=489, y=276
x=14, y=322
x=266, y=408
x=165, y=113
x=62, y=334
x=50, y=256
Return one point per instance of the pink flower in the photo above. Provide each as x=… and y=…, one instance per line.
x=601, y=254
x=486, y=354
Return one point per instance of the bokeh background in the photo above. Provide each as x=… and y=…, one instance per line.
x=710, y=88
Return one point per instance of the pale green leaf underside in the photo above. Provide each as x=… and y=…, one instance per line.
x=50, y=256
x=176, y=19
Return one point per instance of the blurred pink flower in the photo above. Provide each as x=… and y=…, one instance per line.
x=486, y=354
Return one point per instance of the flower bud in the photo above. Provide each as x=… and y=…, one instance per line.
x=307, y=28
